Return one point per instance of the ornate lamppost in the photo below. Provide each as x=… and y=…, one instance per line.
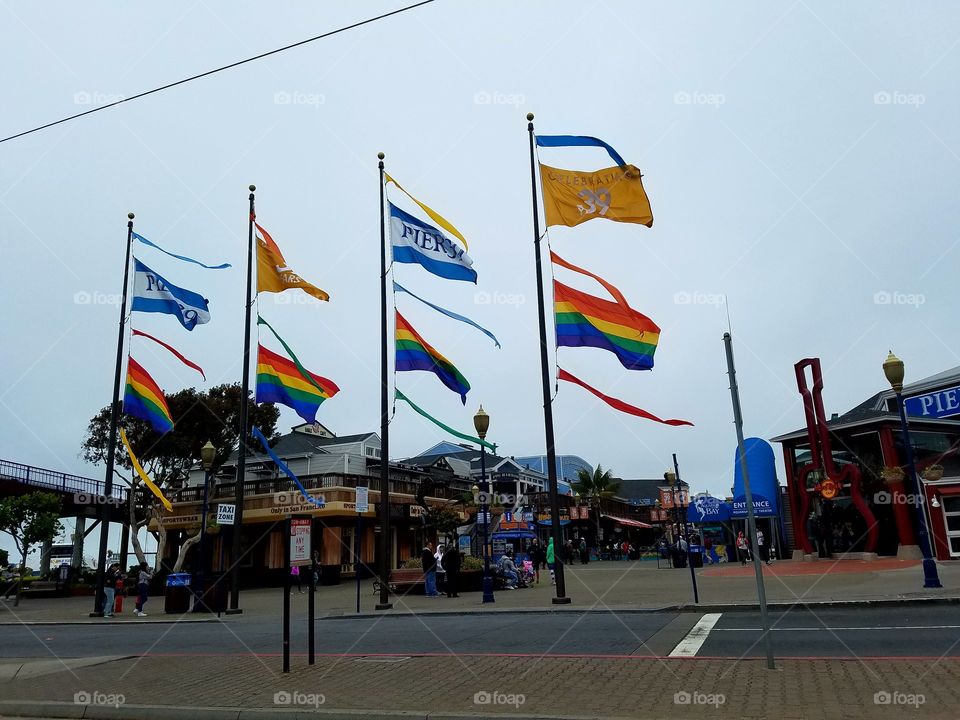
x=481, y=423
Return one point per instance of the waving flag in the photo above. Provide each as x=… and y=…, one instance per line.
x=587, y=321
x=151, y=293
x=571, y=197
x=141, y=238
x=415, y=353
x=615, y=403
x=177, y=354
x=273, y=275
x=143, y=476
x=144, y=399
x=397, y=287
x=432, y=214
x=414, y=241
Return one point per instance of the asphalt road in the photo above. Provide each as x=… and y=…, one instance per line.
x=928, y=632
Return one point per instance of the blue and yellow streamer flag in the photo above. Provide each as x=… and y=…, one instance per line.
x=433, y=214
x=397, y=287
x=141, y=238
x=143, y=476
x=287, y=471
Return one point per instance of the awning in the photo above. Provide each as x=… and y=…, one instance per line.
x=629, y=523
x=513, y=535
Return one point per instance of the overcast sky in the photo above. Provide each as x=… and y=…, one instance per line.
x=800, y=158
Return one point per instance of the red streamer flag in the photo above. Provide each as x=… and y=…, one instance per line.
x=617, y=404
x=179, y=356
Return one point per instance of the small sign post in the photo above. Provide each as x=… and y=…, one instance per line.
x=362, y=506
x=297, y=553
x=226, y=513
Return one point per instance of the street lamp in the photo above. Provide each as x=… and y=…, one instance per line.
x=671, y=478
x=893, y=369
x=481, y=422
x=208, y=454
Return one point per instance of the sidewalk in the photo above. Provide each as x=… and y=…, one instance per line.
x=482, y=686
x=619, y=585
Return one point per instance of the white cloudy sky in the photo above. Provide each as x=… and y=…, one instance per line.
x=800, y=159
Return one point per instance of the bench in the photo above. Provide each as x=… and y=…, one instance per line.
x=45, y=588
x=404, y=578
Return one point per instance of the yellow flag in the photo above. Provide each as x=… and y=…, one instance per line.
x=143, y=476
x=273, y=275
x=616, y=193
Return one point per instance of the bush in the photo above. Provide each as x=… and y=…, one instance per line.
x=471, y=563
x=412, y=564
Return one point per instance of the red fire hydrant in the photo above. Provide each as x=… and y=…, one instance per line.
x=118, y=602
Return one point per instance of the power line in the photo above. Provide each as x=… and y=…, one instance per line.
x=219, y=69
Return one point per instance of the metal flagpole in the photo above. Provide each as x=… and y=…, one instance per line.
x=242, y=448
x=555, y=532
x=112, y=440
x=683, y=532
x=751, y=520
x=384, y=603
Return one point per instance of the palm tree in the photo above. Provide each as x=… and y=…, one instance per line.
x=596, y=487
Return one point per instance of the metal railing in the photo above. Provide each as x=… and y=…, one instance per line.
x=57, y=481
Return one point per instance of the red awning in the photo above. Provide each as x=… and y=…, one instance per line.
x=630, y=523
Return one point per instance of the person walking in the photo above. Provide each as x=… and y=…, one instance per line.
x=451, y=564
x=441, y=570
x=535, y=557
x=295, y=573
x=551, y=562
x=429, y=564
x=761, y=547
x=144, y=576
x=742, y=549
x=110, y=589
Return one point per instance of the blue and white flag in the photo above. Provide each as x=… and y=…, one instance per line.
x=151, y=293
x=414, y=241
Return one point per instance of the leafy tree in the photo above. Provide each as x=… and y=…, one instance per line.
x=596, y=487
x=29, y=519
x=198, y=416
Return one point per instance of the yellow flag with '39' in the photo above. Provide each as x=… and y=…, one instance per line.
x=571, y=197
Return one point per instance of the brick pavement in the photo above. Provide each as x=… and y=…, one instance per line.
x=551, y=687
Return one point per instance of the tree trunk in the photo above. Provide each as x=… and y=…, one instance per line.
x=187, y=544
x=135, y=526
x=23, y=567
x=161, y=546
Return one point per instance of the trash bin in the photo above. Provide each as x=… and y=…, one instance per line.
x=329, y=574
x=696, y=556
x=177, y=593
x=211, y=596
x=679, y=558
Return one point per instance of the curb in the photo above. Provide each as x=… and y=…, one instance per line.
x=680, y=607
x=46, y=709
x=101, y=623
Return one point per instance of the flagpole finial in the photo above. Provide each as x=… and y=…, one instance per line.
x=130, y=215
x=380, y=156
x=253, y=188
x=529, y=116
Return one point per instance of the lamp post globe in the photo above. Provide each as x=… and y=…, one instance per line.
x=893, y=370
x=481, y=423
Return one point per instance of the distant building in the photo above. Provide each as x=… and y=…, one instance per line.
x=568, y=467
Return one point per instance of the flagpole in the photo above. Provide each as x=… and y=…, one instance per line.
x=748, y=496
x=112, y=439
x=384, y=603
x=242, y=448
x=555, y=530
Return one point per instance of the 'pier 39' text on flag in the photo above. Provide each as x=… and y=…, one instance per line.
x=414, y=241
x=151, y=293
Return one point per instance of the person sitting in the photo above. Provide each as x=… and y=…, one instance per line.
x=508, y=570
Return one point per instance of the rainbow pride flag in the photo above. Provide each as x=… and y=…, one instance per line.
x=587, y=321
x=144, y=399
x=415, y=353
x=279, y=380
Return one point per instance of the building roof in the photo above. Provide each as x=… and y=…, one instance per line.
x=297, y=443
x=642, y=491
x=877, y=408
